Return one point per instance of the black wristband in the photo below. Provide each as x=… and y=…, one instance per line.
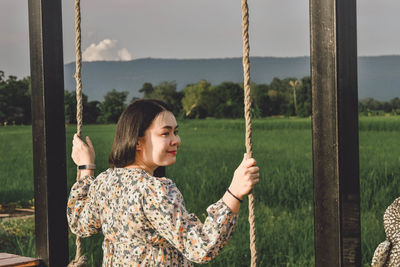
x=234, y=195
x=87, y=167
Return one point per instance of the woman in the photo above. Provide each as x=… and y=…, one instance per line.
x=143, y=218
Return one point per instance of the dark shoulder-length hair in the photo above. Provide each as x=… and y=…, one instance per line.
x=131, y=125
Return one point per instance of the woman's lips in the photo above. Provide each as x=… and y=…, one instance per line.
x=172, y=152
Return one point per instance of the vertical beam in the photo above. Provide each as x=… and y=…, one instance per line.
x=335, y=132
x=48, y=131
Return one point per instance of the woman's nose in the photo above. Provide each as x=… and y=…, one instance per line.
x=176, y=141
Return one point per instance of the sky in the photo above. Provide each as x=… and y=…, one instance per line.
x=131, y=29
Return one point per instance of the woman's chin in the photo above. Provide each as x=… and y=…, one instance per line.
x=171, y=163
x=168, y=163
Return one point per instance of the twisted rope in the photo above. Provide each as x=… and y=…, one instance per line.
x=78, y=67
x=79, y=259
x=247, y=113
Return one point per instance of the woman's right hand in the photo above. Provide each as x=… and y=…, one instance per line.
x=245, y=177
x=82, y=154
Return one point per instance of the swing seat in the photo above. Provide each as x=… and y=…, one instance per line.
x=7, y=259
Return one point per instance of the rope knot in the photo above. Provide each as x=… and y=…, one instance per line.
x=80, y=262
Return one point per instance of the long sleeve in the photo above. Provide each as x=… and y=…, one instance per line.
x=82, y=208
x=164, y=207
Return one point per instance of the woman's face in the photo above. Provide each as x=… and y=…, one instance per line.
x=160, y=143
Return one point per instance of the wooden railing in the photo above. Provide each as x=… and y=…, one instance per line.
x=15, y=260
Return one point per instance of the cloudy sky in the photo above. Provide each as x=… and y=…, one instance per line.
x=131, y=29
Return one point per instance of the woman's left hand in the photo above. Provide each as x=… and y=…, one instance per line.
x=82, y=154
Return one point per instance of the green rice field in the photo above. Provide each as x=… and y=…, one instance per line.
x=210, y=152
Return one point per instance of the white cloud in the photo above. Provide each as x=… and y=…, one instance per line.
x=106, y=50
x=124, y=54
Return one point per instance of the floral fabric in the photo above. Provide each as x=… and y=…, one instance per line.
x=144, y=220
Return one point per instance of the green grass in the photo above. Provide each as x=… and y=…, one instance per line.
x=211, y=149
x=16, y=167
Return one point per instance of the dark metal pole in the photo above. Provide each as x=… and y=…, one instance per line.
x=335, y=132
x=48, y=131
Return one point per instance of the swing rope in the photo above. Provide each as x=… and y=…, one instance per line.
x=78, y=67
x=247, y=113
x=79, y=260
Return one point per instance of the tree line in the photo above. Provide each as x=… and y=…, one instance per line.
x=287, y=97
x=370, y=106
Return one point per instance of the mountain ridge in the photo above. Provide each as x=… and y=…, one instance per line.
x=377, y=75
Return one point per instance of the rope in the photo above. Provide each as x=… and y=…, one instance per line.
x=78, y=67
x=247, y=113
x=79, y=259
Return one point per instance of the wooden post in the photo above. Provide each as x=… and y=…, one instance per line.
x=335, y=132
x=48, y=131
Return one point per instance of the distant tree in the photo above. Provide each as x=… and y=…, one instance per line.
x=166, y=92
x=395, y=103
x=70, y=106
x=147, y=89
x=3, y=98
x=304, y=101
x=91, y=110
x=261, y=100
x=361, y=108
x=281, y=97
x=391, y=106
x=15, y=100
x=112, y=106
x=370, y=104
x=196, y=99
x=387, y=106
x=294, y=84
x=228, y=98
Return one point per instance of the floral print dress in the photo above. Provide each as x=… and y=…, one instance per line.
x=144, y=220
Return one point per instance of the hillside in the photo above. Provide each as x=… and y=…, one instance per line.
x=378, y=76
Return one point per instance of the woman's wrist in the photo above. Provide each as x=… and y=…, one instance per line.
x=235, y=192
x=240, y=199
x=88, y=166
x=86, y=172
x=232, y=203
x=86, y=169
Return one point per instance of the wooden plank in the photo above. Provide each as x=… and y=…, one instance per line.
x=7, y=259
x=335, y=133
x=48, y=131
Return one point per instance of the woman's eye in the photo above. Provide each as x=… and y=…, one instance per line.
x=166, y=133
x=175, y=132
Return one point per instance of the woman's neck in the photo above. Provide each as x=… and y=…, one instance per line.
x=141, y=166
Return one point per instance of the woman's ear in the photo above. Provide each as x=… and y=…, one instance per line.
x=139, y=144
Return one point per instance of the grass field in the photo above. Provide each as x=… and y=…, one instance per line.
x=210, y=151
